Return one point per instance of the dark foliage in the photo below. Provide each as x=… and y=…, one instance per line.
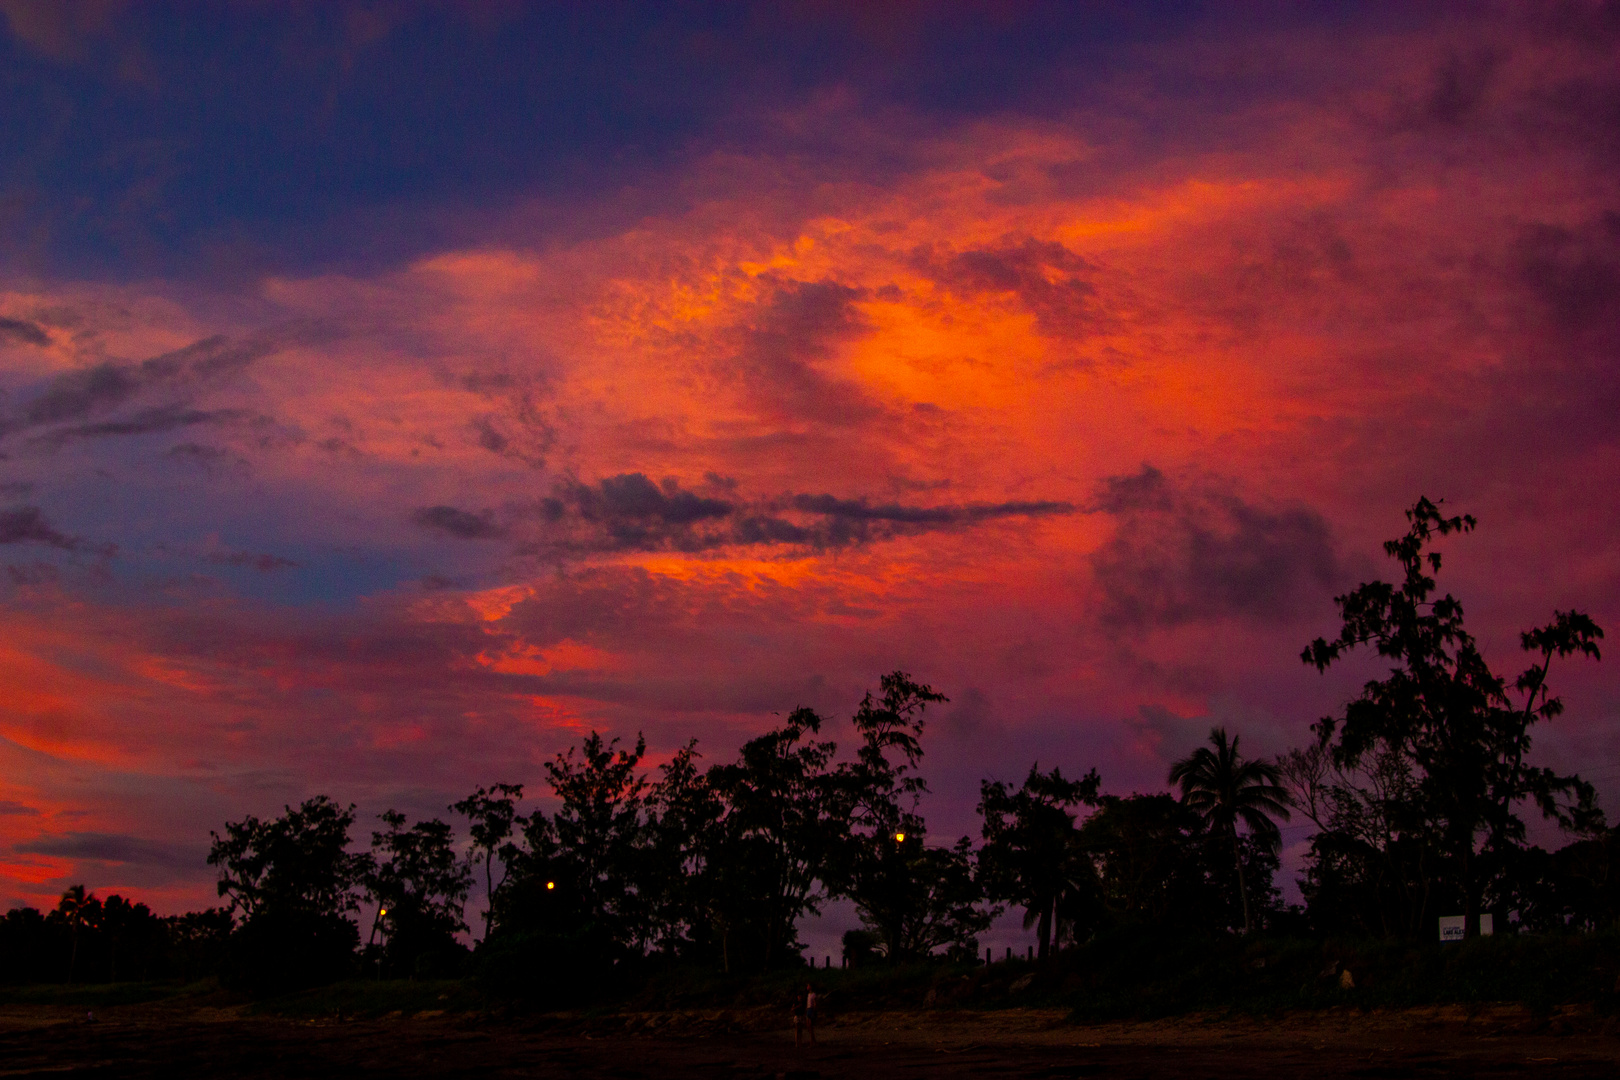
x=419, y=885
x=88, y=940
x=1417, y=788
x=1032, y=854
x=294, y=879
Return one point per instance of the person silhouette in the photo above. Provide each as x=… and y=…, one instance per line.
x=810, y=1011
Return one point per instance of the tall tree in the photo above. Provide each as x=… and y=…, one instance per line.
x=1443, y=709
x=79, y=909
x=783, y=818
x=880, y=790
x=491, y=814
x=598, y=831
x=679, y=866
x=417, y=879
x=1225, y=788
x=1031, y=854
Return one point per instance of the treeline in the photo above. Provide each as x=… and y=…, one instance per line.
x=1415, y=791
x=90, y=940
x=715, y=865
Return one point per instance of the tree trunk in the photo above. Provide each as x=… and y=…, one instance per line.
x=1243, y=889
x=1470, y=894
x=489, y=891
x=1044, y=929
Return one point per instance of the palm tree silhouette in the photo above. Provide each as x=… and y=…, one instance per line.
x=74, y=905
x=1223, y=788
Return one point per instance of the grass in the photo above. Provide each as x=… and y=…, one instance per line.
x=1145, y=976
x=1138, y=975
x=102, y=995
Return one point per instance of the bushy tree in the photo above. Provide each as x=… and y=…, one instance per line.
x=297, y=862
x=80, y=912
x=919, y=899
x=598, y=831
x=1032, y=854
x=782, y=819
x=294, y=879
x=1449, y=722
x=419, y=886
x=877, y=863
x=1152, y=858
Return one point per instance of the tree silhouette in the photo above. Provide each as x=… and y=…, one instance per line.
x=416, y=878
x=294, y=879
x=1031, y=855
x=876, y=861
x=297, y=862
x=491, y=813
x=599, y=830
x=79, y=909
x=782, y=821
x=1224, y=788
x=1444, y=711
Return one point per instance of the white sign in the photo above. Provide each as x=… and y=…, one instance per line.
x=1453, y=927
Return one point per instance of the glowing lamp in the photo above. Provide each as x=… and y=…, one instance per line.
x=550, y=885
x=899, y=837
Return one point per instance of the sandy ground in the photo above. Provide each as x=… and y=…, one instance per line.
x=176, y=1041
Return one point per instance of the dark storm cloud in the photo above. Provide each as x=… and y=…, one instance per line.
x=25, y=332
x=631, y=512
x=1144, y=490
x=113, y=848
x=797, y=326
x=1197, y=552
x=78, y=394
x=26, y=524
x=1045, y=278
x=145, y=422
x=458, y=523
x=895, y=513
x=179, y=375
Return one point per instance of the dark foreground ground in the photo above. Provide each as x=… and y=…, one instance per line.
x=155, y=1040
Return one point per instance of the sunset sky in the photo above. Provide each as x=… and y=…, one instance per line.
x=393, y=393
